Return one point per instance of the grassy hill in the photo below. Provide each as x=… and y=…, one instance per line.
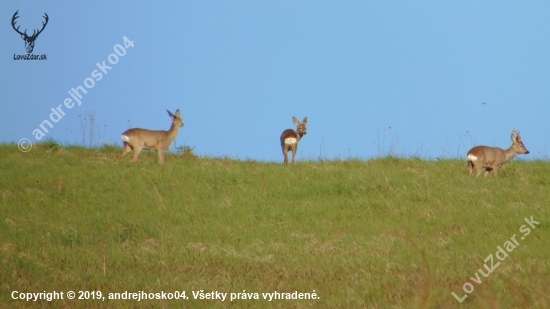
x=382, y=233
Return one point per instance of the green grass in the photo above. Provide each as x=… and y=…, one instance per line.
x=382, y=233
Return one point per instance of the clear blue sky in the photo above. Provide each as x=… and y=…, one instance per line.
x=363, y=72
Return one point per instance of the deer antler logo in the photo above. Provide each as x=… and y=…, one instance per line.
x=29, y=40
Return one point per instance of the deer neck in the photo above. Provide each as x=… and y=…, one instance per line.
x=173, y=132
x=510, y=153
x=299, y=135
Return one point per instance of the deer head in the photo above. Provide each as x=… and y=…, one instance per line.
x=301, y=126
x=518, y=145
x=29, y=40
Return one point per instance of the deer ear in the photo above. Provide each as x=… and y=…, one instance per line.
x=514, y=138
x=296, y=122
x=305, y=120
x=177, y=113
x=170, y=114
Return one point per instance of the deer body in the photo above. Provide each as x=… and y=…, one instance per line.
x=138, y=139
x=492, y=158
x=290, y=139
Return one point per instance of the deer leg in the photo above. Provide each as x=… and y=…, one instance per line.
x=487, y=170
x=161, y=155
x=470, y=168
x=478, y=170
x=136, y=154
x=127, y=149
x=294, y=150
x=285, y=153
x=495, y=168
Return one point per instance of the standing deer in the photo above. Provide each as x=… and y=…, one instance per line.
x=138, y=139
x=492, y=158
x=291, y=138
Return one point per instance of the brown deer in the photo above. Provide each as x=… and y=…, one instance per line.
x=492, y=158
x=291, y=138
x=138, y=139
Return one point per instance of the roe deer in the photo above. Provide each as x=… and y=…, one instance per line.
x=291, y=138
x=492, y=158
x=138, y=139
